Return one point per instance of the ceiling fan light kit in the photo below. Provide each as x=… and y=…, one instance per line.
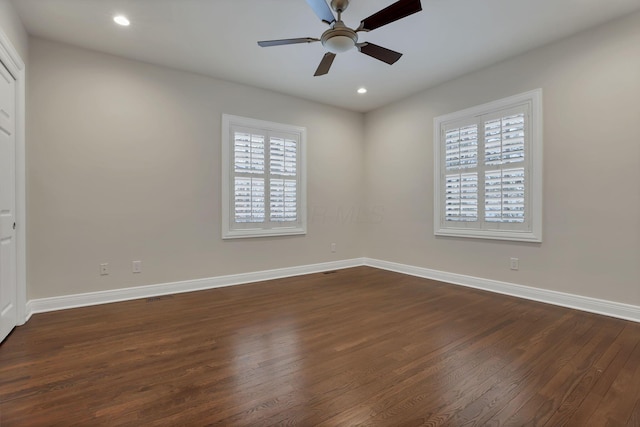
x=339, y=38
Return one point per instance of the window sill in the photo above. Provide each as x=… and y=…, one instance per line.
x=255, y=232
x=516, y=236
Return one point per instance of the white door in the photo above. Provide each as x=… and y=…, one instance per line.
x=8, y=286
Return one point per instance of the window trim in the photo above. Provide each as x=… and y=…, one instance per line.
x=534, y=164
x=228, y=122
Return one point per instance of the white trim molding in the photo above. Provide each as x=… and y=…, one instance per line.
x=578, y=302
x=64, y=302
x=267, y=227
x=474, y=223
x=12, y=61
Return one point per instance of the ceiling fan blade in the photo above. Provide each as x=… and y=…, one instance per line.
x=398, y=10
x=268, y=43
x=325, y=64
x=322, y=9
x=381, y=53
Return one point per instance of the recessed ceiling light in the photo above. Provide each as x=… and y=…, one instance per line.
x=121, y=20
x=362, y=90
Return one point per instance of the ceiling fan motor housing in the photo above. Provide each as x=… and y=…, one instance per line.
x=339, y=38
x=339, y=5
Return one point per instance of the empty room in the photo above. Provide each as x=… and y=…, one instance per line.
x=319, y=212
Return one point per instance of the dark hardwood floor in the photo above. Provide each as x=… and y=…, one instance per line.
x=355, y=347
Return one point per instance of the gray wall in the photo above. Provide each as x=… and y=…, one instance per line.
x=591, y=247
x=124, y=164
x=11, y=25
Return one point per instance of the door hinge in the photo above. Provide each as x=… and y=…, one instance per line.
x=14, y=225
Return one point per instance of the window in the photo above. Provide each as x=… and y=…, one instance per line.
x=488, y=170
x=263, y=178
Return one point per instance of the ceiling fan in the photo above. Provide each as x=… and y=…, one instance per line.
x=340, y=38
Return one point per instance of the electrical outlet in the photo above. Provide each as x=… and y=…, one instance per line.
x=104, y=269
x=514, y=263
x=136, y=266
x=333, y=247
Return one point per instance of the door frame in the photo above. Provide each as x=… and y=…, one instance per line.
x=12, y=61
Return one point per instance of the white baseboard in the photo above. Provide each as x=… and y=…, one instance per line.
x=592, y=305
x=64, y=302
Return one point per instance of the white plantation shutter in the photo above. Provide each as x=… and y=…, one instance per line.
x=504, y=147
x=461, y=189
x=248, y=163
x=488, y=170
x=504, y=140
x=249, y=199
x=263, y=179
x=283, y=200
x=504, y=196
x=248, y=152
x=283, y=163
x=461, y=145
x=461, y=197
x=284, y=156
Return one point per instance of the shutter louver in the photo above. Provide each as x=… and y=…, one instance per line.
x=250, y=205
x=504, y=140
x=283, y=156
x=283, y=192
x=248, y=153
x=461, y=189
x=504, y=189
x=504, y=195
x=284, y=201
x=461, y=197
x=461, y=148
x=249, y=199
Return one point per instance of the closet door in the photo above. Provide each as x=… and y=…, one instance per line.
x=8, y=285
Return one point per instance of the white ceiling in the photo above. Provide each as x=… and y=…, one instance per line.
x=218, y=38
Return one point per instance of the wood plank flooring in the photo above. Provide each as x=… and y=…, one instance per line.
x=356, y=347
